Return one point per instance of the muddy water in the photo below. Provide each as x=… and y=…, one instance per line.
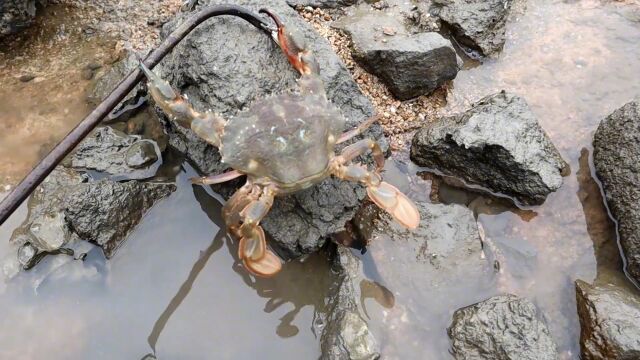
x=180, y=296
x=164, y=293
x=43, y=87
x=574, y=62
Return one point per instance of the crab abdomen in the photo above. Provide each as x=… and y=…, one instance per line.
x=286, y=138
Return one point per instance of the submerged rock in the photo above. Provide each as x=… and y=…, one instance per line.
x=16, y=15
x=497, y=144
x=609, y=321
x=104, y=212
x=346, y=334
x=503, y=327
x=110, y=151
x=410, y=65
x=616, y=156
x=224, y=66
x=478, y=24
x=429, y=270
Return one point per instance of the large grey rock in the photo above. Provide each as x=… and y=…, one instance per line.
x=409, y=64
x=609, y=321
x=346, y=334
x=478, y=24
x=497, y=144
x=113, y=152
x=226, y=64
x=16, y=15
x=616, y=156
x=503, y=327
x=104, y=211
x=324, y=4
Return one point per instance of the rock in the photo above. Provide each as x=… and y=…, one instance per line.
x=503, y=327
x=141, y=154
x=409, y=64
x=497, y=144
x=15, y=15
x=429, y=270
x=346, y=334
x=609, y=321
x=478, y=24
x=112, y=77
x=44, y=227
x=324, y=4
x=616, y=157
x=104, y=211
x=113, y=152
x=226, y=64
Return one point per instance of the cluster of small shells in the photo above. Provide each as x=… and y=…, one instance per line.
x=399, y=119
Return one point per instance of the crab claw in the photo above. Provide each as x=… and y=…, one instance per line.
x=253, y=244
x=397, y=204
x=268, y=266
x=253, y=251
x=294, y=45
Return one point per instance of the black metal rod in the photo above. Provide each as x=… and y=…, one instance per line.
x=64, y=147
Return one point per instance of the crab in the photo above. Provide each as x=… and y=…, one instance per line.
x=282, y=144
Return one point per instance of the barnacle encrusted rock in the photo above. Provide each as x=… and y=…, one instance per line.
x=227, y=64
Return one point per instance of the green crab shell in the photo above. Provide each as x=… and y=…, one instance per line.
x=286, y=138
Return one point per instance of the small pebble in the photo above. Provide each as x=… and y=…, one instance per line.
x=27, y=77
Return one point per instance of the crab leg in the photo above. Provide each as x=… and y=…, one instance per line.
x=357, y=130
x=253, y=245
x=361, y=147
x=216, y=179
x=207, y=125
x=383, y=194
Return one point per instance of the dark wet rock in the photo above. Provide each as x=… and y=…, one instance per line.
x=324, y=4
x=477, y=24
x=616, y=157
x=44, y=227
x=497, y=144
x=67, y=207
x=409, y=64
x=226, y=64
x=503, y=327
x=104, y=212
x=609, y=321
x=15, y=15
x=346, y=334
x=141, y=154
x=113, y=152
